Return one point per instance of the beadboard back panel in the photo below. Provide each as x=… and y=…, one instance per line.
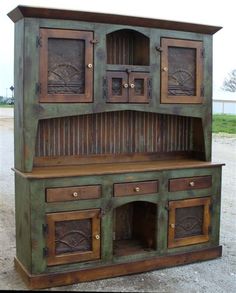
x=113, y=133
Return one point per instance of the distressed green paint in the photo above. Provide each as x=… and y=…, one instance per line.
x=31, y=206
x=23, y=222
x=19, y=95
x=31, y=77
x=37, y=195
x=216, y=208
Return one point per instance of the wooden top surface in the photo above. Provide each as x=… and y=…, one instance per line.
x=27, y=11
x=113, y=168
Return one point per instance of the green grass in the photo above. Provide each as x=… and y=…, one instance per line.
x=224, y=123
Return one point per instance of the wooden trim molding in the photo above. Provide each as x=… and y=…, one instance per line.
x=26, y=11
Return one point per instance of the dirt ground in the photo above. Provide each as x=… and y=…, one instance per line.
x=214, y=276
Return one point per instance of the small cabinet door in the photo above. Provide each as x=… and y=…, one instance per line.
x=189, y=222
x=66, y=66
x=117, y=87
x=138, y=84
x=73, y=236
x=128, y=87
x=181, y=71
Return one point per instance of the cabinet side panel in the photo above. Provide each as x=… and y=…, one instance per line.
x=19, y=93
x=22, y=216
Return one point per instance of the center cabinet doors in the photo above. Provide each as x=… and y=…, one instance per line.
x=66, y=66
x=128, y=87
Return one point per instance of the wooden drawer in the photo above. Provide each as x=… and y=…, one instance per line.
x=135, y=188
x=73, y=193
x=189, y=183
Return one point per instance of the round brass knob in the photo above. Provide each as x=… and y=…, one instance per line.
x=75, y=194
x=90, y=65
x=97, y=237
x=191, y=183
x=165, y=69
x=172, y=226
x=125, y=85
x=132, y=85
x=137, y=189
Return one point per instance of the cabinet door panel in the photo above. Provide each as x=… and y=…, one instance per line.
x=138, y=91
x=66, y=66
x=117, y=87
x=189, y=222
x=73, y=236
x=182, y=71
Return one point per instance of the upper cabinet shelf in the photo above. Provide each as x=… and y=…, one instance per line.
x=127, y=47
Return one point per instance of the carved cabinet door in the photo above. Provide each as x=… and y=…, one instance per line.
x=73, y=236
x=181, y=71
x=66, y=66
x=189, y=221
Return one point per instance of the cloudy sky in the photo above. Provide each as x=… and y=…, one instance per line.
x=218, y=13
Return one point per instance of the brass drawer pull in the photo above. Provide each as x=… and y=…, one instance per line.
x=165, y=69
x=137, y=189
x=172, y=226
x=125, y=85
x=97, y=237
x=90, y=65
x=192, y=183
x=75, y=194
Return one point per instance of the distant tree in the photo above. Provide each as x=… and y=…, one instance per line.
x=230, y=82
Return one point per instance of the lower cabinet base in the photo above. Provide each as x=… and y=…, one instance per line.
x=102, y=272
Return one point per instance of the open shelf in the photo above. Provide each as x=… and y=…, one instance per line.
x=134, y=229
x=127, y=47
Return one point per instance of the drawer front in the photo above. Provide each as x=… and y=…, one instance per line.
x=135, y=188
x=73, y=193
x=190, y=183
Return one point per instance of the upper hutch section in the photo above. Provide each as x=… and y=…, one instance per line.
x=111, y=87
x=124, y=59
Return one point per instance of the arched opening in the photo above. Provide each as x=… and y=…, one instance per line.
x=127, y=47
x=134, y=228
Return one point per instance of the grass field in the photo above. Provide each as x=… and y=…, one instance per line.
x=224, y=123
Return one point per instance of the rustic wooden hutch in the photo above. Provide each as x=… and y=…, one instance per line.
x=113, y=171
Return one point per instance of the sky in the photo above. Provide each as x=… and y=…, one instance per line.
x=209, y=12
